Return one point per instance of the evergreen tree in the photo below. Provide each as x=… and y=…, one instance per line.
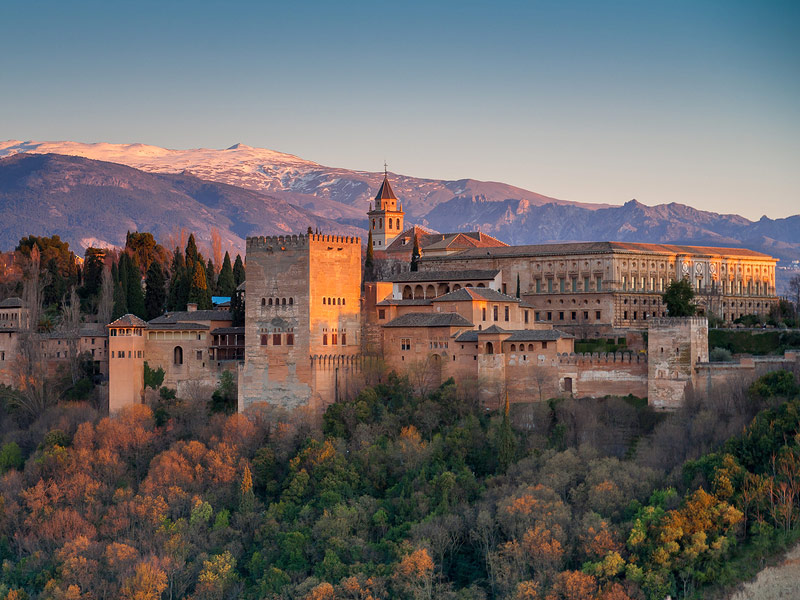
x=192, y=254
x=678, y=299
x=198, y=288
x=226, y=284
x=415, y=254
x=211, y=277
x=156, y=294
x=114, y=273
x=120, y=302
x=369, y=262
x=122, y=274
x=237, y=309
x=92, y=272
x=134, y=292
x=238, y=271
x=178, y=284
x=518, y=285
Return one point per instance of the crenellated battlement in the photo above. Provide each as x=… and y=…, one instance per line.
x=602, y=358
x=283, y=242
x=677, y=322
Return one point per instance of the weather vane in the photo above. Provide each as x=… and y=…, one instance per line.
x=385, y=168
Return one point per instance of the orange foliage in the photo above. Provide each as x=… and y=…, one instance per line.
x=418, y=564
x=544, y=550
x=527, y=590
x=323, y=591
x=599, y=542
x=614, y=592
x=573, y=585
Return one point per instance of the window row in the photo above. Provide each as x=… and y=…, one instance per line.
x=334, y=301
x=378, y=224
x=121, y=354
x=550, y=285
x=278, y=339
x=125, y=332
x=335, y=339
x=277, y=301
x=573, y=315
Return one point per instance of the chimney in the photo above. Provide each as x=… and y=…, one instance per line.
x=191, y=306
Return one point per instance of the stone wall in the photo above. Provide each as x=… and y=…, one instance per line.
x=675, y=346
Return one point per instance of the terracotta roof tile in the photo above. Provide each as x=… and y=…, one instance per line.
x=429, y=320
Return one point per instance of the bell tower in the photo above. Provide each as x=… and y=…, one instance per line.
x=386, y=218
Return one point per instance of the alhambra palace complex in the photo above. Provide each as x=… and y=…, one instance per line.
x=500, y=319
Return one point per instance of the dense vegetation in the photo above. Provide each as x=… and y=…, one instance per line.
x=758, y=343
x=399, y=496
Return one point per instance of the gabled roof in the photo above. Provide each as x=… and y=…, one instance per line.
x=385, y=192
x=92, y=330
x=193, y=316
x=466, y=294
x=517, y=335
x=429, y=320
x=431, y=240
x=173, y=326
x=223, y=330
x=12, y=302
x=405, y=302
x=463, y=275
x=128, y=320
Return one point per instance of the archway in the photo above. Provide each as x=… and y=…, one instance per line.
x=177, y=355
x=489, y=348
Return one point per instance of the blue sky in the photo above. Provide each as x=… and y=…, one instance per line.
x=692, y=102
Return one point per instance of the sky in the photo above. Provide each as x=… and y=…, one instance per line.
x=695, y=102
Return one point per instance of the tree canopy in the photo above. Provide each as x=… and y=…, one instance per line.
x=678, y=299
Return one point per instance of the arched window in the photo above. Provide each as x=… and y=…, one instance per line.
x=283, y=301
x=407, y=293
x=270, y=301
x=291, y=301
x=389, y=223
x=397, y=221
x=324, y=339
x=177, y=355
x=513, y=348
x=373, y=223
x=489, y=348
x=530, y=347
x=380, y=223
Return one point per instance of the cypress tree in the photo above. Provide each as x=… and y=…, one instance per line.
x=191, y=253
x=135, y=294
x=415, y=254
x=369, y=262
x=518, y=285
x=122, y=272
x=178, y=284
x=226, y=284
x=156, y=294
x=238, y=271
x=120, y=302
x=237, y=309
x=211, y=277
x=198, y=288
x=92, y=273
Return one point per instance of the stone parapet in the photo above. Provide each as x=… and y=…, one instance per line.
x=271, y=242
x=602, y=358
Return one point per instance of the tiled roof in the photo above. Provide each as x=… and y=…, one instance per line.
x=128, y=320
x=174, y=326
x=517, y=335
x=464, y=275
x=429, y=320
x=431, y=240
x=223, y=330
x=598, y=248
x=12, y=302
x=405, y=302
x=472, y=293
x=192, y=316
x=385, y=192
x=92, y=329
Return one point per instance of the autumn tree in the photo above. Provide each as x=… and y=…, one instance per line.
x=198, y=288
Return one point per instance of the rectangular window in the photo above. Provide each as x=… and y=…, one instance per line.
x=585, y=284
x=526, y=316
x=344, y=339
x=290, y=339
x=549, y=316
x=405, y=343
x=599, y=284
x=586, y=315
x=634, y=315
x=538, y=286
x=494, y=312
x=561, y=285
x=483, y=313
x=276, y=339
x=597, y=315
x=263, y=339
x=625, y=315
x=199, y=355
x=624, y=283
x=549, y=286
x=573, y=315
x=381, y=313
x=112, y=354
x=574, y=284
x=561, y=316
x=504, y=288
x=333, y=339
x=544, y=345
x=506, y=313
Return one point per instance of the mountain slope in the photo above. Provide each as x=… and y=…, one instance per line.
x=88, y=201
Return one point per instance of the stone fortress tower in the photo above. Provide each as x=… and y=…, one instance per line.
x=675, y=345
x=302, y=319
x=386, y=219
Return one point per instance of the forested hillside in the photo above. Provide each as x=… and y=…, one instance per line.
x=397, y=495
